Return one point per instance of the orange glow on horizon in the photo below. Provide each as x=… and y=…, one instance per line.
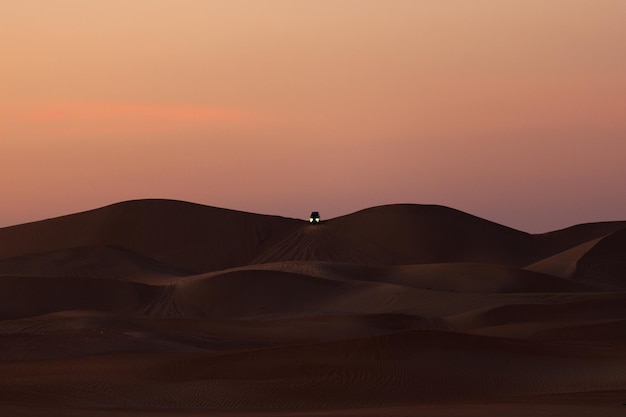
x=96, y=117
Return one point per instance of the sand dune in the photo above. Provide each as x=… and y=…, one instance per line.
x=404, y=234
x=606, y=262
x=563, y=264
x=574, y=308
x=560, y=240
x=271, y=294
x=599, y=262
x=104, y=262
x=197, y=238
x=167, y=308
x=31, y=296
x=457, y=277
x=452, y=277
x=184, y=235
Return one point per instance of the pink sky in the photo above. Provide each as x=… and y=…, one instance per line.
x=512, y=110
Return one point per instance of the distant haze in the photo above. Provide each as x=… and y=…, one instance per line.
x=510, y=110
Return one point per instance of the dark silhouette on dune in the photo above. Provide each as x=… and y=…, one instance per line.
x=172, y=307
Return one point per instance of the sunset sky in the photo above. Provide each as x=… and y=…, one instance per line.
x=511, y=110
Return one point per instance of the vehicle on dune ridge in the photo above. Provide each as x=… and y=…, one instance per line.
x=315, y=217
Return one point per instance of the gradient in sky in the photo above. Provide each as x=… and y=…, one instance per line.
x=512, y=110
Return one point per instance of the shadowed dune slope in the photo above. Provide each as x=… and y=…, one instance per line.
x=606, y=262
x=562, y=264
x=601, y=331
x=560, y=240
x=186, y=237
x=305, y=290
x=456, y=277
x=83, y=333
x=32, y=296
x=566, y=263
x=404, y=234
x=460, y=277
x=572, y=309
x=270, y=294
x=91, y=262
x=261, y=293
x=183, y=235
x=599, y=307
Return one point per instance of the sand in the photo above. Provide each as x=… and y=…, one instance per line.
x=166, y=308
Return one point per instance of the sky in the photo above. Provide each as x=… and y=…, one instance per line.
x=511, y=110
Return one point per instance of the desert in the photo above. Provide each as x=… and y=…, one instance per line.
x=169, y=308
x=312, y=208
